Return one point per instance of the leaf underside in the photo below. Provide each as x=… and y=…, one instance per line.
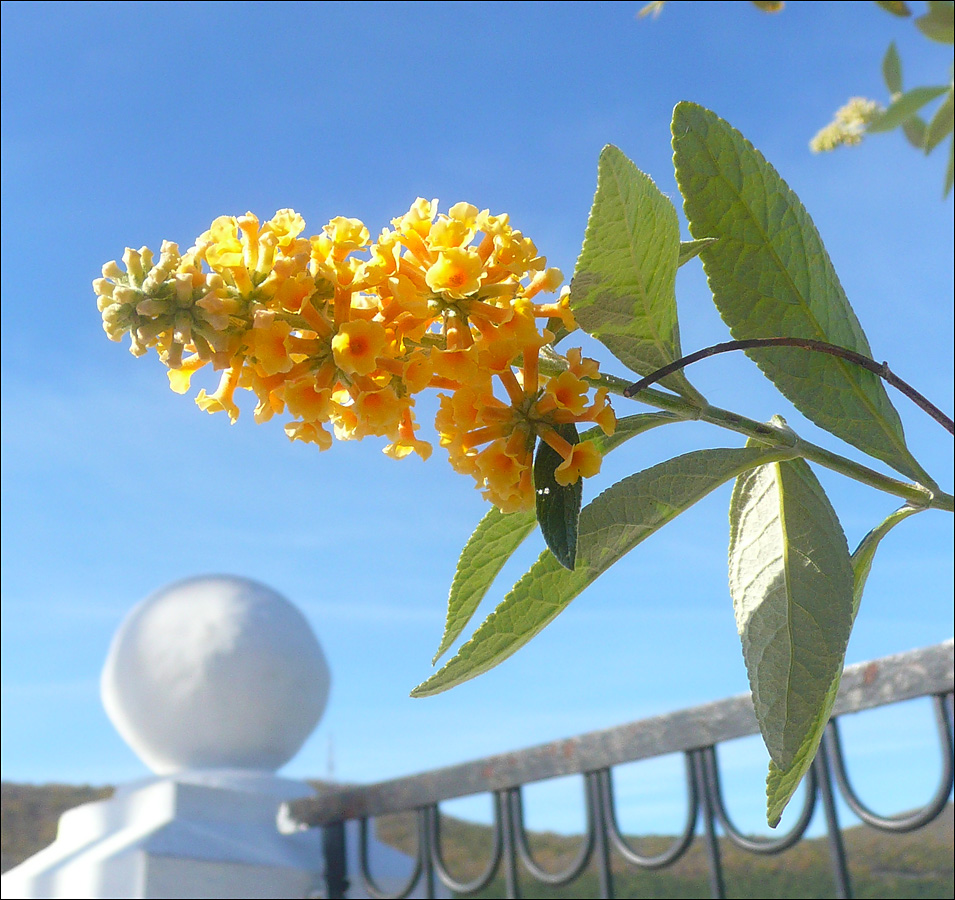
x=781, y=784
x=771, y=276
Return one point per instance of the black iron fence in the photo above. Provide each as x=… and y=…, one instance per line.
x=695, y=733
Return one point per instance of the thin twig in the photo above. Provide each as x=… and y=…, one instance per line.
x=880, y=369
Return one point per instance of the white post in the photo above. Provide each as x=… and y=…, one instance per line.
x=215, y=683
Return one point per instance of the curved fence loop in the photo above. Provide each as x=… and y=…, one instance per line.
x=437, y=857
x=904, y=821
x=767, y=846
x=526, y=856
x=694, y=732
x=622, y=845
x=368, y=880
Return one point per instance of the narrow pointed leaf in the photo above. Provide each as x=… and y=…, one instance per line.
x=623, y=290
x=940, y=127
x=609, y=528
x=904, y=107
x=691, y=249
x=892, y=69
x=780, y=784
x=914, y=130
x=865, y=552
x=557, y=505
x=791, y=582
x=499, y=534
x=771, y=276
x=950, y=168
x=491, y=545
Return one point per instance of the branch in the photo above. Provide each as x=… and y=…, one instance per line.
x=880, y=369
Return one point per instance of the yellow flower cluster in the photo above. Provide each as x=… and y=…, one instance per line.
x=341, y=332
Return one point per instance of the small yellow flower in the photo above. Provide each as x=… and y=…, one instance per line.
x=305, y=400
x=456, y=273
x=267, y=341
x=583, y=462
x=221, y=400
x=358, y=345
x=379, y=412
x=310, y=433
x=180, y=379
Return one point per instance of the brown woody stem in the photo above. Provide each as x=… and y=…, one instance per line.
x=880, y=369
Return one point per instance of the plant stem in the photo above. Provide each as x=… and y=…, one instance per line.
x=770, y=434
x=914, y=494
x=880, y=369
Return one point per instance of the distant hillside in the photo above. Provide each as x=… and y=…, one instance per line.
x=907, y=866
x=29, y=813
x=911, y=866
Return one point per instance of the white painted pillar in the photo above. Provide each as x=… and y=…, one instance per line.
x=215, y=682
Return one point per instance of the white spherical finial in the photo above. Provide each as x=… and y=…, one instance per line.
x=215, y=672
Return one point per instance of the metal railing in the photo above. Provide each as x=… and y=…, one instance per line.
x=695, y=733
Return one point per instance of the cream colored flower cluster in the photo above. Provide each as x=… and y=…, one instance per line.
x=847, y=126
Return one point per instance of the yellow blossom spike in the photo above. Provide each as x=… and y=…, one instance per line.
x=443, y=300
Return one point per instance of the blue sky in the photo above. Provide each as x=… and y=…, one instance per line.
x=127, y=124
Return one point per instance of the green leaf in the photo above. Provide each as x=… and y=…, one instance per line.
x=499, y=534
x=950, y=168
x=493, y=542
x=558, y=506
x=780, y=784
x=609, y=528
x=623, y=290
x=771, y=276
x=791, y=582
x=691, y=249
x=904, y=107
x=941, y=125
x=938, y=24
x=896, y=7
x=892, y=69
x=865, y=552
x=914, y=130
